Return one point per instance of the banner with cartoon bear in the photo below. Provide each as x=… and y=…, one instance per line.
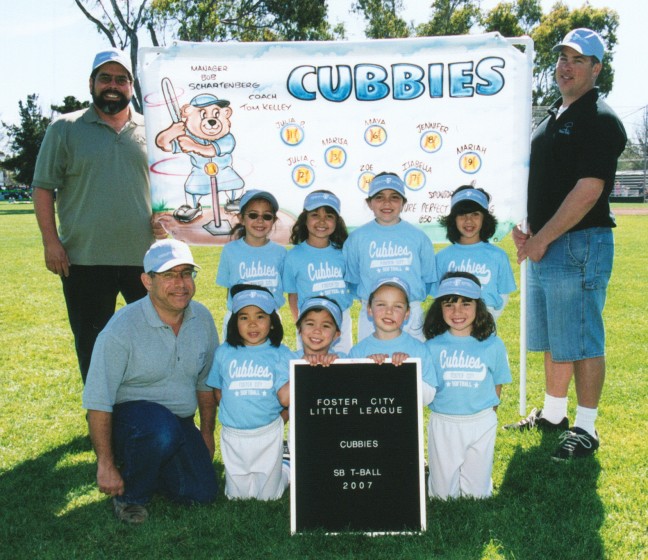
x=291, y=118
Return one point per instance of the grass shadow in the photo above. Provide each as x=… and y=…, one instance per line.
x=543, y=509
x=549, y=509
x=6, y=210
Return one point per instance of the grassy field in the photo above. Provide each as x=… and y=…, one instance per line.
x=50, y=507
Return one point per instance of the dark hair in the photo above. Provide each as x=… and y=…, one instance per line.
x=434, y=325
x=462, y=207
x=381, y=174
x=300, y=231
x=233, y=336
x=238, y=230
x=301, y=318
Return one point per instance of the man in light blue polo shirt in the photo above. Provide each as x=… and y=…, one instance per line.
x=146, y=380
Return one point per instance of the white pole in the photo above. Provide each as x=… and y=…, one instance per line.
x=523, y=337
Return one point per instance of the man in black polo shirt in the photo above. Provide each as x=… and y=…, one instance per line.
x=574, y=154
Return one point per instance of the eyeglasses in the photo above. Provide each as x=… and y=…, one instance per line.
x=175, y=274
x=109, y=78
x=267, y=216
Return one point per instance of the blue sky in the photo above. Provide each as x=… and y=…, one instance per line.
x=47, y=48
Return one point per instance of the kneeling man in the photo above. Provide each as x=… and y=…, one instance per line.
x=146, y=380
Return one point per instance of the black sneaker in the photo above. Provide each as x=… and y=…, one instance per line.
x=535, y=420
x=574, y=444
x=286, y=451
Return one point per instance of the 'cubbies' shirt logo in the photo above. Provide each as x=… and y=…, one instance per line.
x=325, y=277
x=468, y=265
x=389, y=256
x=259, y=274
x=249, y=378
x=461, y=369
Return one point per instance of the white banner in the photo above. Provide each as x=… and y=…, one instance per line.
x=290, y=118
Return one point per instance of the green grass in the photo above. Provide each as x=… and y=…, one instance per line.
x=50, y=507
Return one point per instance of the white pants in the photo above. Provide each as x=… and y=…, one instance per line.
x=413, y=326
x=460, y=454
x=253, y=462
x=342, y=344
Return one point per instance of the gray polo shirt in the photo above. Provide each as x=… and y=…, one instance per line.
x=103, y=195
x=138, y=357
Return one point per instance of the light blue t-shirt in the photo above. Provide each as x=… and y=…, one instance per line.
x=468, y=370
x=374, y=251
x=490, y=264
x=309, y=271
x=241, y=263
x=404, y=343
x=249, y=378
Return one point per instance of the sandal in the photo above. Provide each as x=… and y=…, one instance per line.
x=134, y=514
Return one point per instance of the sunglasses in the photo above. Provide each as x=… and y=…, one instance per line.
x=267, y=216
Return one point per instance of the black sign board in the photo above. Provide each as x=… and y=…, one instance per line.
x=357, y=447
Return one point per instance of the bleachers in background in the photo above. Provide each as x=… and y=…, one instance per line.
x=629, y=186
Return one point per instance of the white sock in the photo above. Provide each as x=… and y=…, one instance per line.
x=554, y=409
x=585, y=418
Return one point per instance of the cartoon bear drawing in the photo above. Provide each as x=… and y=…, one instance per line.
x=203, y=132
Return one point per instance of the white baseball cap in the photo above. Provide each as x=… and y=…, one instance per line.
x=113, y=55
x=163, y=255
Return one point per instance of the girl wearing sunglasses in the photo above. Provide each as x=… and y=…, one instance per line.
x=251, y=258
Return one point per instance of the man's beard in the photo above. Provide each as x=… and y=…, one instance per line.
x=110, y=107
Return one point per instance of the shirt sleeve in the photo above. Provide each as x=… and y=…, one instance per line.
x=107, y=368
x=50, y=163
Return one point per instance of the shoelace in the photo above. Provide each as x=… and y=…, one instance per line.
x=569, y=440
x=530, y=420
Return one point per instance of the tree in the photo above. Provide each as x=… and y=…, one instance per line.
x=125, y=24
x=121, y=23
x=450, y=17
x=69, y=105
x=382, y=18
x=513, y=19
x=243, y=20
x=25, y=140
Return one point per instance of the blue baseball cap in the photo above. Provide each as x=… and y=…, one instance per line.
x=584, y=41
x=383, y=182
x=260, y=298
x=318, y=199
x=207, y=99
x=322, y=303
x=163, y=255
x=459, y=286
x=392, y=281
x=470, y=194
x=253, y=194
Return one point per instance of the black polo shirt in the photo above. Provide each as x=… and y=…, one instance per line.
x=585, y=141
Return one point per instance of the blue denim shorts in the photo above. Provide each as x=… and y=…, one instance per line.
x=566, y=295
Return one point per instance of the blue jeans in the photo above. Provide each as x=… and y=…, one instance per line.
x=90, y=296
x=158, y=452
x=566, y=295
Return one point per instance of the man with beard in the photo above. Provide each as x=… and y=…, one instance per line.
x=93, y=163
